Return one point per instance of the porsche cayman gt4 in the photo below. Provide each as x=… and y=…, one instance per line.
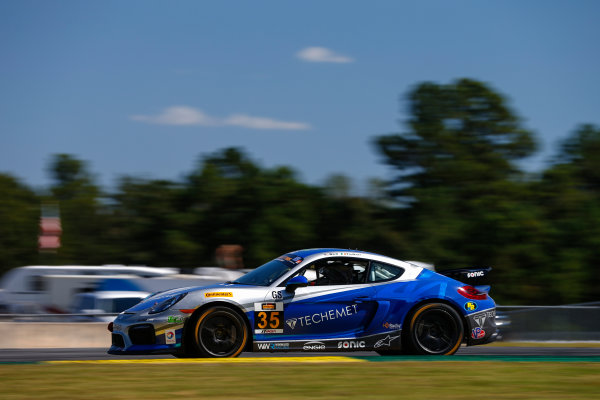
x=315, y=300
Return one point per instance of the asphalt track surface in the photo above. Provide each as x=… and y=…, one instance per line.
x=531, y=353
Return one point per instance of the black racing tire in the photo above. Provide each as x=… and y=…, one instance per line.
x=217, y=332
x=433, y=329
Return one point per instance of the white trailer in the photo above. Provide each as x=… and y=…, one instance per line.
x=40, y=288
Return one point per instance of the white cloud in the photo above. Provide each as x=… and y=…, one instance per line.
x=189, y=116
x=177, y=115
x=322, y=54
x=248, y=121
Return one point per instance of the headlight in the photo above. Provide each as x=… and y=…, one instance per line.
x=166, y=304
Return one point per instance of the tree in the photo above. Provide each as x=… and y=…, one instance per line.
x=570, y=193
x=232, y=200
x=83, y=237
x=19, y=224
x=150, y=222
x=456, y=178
x=580, y=154
x=461, y=135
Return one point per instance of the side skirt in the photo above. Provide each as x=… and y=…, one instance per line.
x=382, y=341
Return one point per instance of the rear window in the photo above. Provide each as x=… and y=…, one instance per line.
x=380, y=272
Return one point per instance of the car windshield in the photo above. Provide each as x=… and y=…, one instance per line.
x=266, y=274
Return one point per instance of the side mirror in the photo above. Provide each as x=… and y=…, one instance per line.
x=295, y=283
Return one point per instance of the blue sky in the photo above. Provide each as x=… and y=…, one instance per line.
x=146, y=88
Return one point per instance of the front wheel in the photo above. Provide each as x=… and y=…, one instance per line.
x=219, y=332
x=434, y=329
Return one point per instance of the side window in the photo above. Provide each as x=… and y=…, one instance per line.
x=380, y=272
x=335, y=271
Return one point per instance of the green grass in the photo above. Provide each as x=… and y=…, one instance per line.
x=361, y=380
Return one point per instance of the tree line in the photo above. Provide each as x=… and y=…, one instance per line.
x=458, y=198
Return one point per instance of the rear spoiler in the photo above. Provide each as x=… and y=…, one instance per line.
x=473, y=276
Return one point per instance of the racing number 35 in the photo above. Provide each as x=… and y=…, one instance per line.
x=268, y=317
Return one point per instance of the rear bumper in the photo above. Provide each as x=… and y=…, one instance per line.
x=481, y=327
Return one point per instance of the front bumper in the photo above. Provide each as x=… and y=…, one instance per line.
x=147, y=334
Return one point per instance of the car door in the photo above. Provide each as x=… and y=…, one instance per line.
x=337, y=302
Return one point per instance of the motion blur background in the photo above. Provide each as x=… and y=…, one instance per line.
x=460, y=134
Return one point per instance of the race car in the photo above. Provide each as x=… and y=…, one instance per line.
x=315, y=300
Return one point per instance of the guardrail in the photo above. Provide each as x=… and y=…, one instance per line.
x=553, y=323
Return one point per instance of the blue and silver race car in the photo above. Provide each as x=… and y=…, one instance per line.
x=316, y=300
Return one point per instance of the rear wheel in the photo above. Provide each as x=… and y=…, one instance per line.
x=434, y=329
x=218, y=332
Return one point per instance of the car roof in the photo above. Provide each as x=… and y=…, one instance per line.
x=309, y=252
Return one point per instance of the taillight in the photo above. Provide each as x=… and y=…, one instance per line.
x=110, y=326
x=472, y=293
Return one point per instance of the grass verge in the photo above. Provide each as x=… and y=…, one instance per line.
x=364, y=380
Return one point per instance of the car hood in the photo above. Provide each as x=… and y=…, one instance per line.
x=201, y=293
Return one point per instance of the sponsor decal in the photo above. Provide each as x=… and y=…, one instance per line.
x=351, y=344
x=290, y=258
x=172, y=319
x=277, y=294
x=477, y=333
x=387, y=325
x=268, y=318
x=291, y=322
x=482, y=317
x=385, y=342
x=170, y=336
x=218, y=294
x=317, y=318
x=117, y=327
x=314, y=345
x=470, y=306
x=475, y=274
x=267, y=331
x=273, y=346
